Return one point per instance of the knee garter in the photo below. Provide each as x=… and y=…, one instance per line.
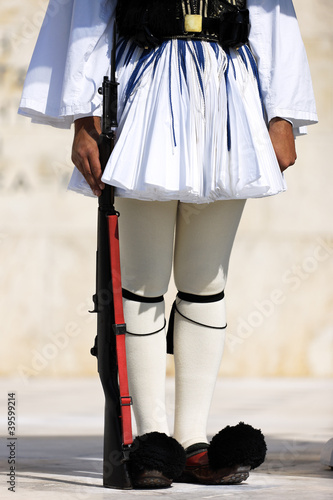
x=189, y=297
x=148, y=300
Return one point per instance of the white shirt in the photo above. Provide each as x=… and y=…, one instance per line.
x=72, y=55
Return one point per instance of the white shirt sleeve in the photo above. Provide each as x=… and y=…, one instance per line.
x=71, y=57
x=283, y=67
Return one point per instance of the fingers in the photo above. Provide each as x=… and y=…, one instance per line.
x=85, y=153
x=85, y=156
x=282, y=137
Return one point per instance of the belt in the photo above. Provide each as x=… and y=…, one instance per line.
x=231, y=30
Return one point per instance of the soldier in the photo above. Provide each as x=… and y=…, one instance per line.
x=211, y=97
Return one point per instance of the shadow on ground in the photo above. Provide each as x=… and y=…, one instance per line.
x=81, y=456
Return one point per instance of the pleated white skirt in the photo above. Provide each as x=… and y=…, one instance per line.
x=191, y=126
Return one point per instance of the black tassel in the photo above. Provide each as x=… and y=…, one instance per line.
x=169, y=339
x=157, y=451
x=237, y=445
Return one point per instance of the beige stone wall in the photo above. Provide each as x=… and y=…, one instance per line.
x=280, y=291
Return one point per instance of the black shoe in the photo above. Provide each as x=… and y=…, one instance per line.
x=155, y=460
x=228, y=459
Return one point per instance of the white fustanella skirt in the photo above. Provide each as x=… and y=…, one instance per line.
x=191, y=126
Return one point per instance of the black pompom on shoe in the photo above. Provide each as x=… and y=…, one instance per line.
x=240, y=444
x=155, y=460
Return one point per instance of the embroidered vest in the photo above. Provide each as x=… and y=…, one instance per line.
x=149, y=22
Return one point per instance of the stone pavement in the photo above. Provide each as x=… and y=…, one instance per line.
x=60, y=435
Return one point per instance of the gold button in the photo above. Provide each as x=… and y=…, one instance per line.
x=193, y=23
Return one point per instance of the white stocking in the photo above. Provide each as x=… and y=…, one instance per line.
x=204, y=238
x=146, y=364
x=198, y=352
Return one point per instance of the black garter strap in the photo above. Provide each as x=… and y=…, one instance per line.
x=197, y=322
x=198, y=299
x=147, y=334
x=146, y=300
x=139, y=298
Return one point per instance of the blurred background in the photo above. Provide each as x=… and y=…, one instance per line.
x=280, y=288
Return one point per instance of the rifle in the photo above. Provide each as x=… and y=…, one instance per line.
x=110, y=340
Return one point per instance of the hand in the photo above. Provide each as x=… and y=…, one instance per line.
x=282, y=137
x=85, y=154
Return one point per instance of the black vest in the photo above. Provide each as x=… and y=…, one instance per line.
x=149, y=22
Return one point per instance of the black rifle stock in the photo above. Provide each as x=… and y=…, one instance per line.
x=115, y=467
